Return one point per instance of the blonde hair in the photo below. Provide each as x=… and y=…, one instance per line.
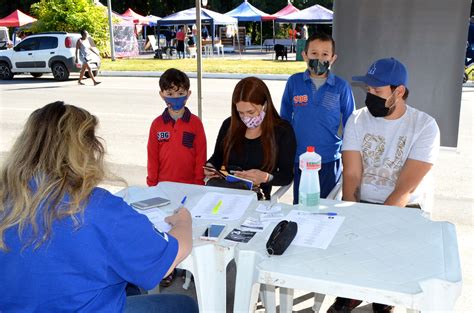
x=50, y=172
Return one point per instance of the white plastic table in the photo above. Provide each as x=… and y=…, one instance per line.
x=208, y=260
x=380, y=254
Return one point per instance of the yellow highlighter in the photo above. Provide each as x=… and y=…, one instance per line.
x=215, y=210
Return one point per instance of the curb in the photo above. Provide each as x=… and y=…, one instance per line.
x=194, y=75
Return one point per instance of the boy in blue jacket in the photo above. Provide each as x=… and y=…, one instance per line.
x=315, y=102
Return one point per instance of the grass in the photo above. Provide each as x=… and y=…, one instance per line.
x=214, y=65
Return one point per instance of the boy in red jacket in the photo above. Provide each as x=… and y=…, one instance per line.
x=177, y=142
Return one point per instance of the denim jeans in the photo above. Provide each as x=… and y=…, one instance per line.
x=161, y=303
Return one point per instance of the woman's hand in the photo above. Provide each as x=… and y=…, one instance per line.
x=181, y=217
x=257, y=176
x=208, y=173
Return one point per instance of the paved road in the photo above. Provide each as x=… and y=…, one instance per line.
x=127, y=106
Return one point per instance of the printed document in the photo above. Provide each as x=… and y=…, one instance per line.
x=157, y=217
x=221, y=206
x=315, y=230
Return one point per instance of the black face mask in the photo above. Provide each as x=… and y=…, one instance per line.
x=319, y=67
x=376, y=105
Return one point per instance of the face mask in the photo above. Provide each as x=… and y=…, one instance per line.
x=253, y=121
x=376, y=105
x=176, y=104
x=318, y=67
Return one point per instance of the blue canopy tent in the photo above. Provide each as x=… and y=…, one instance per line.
x=189, y=17
x=153, y=19
x=246, y=12
x=315, y=14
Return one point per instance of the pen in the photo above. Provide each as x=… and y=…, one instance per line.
x=315, y=213
x=181, y=205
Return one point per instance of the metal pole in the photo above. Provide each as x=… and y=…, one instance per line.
x=111, y=31
x=199, y=57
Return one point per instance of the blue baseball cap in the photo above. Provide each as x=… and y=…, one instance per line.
x=385, y=72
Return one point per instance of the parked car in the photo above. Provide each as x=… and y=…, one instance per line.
x=37, y=54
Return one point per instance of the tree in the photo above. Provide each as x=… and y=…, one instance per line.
x=72, y=16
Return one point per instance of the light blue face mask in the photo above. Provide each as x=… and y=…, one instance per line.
x=177, y=103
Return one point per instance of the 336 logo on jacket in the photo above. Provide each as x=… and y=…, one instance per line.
x=300, y=100
x=163, y=136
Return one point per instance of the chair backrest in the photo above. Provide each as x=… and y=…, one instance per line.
x=152, y=40
x=280, y=192
x=336, y=192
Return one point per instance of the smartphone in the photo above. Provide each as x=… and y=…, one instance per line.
x=213, y=232
x=150, y=203
x=215, y=171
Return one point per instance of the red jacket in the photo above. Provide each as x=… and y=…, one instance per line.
x=176, y=149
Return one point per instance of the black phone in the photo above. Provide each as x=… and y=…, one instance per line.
x=214, y=170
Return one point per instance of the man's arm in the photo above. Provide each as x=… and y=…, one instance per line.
x=352, y=175
x=410, y=177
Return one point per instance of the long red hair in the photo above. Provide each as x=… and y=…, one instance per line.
x=253, y=90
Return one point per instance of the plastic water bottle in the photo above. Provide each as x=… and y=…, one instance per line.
x=308, y=193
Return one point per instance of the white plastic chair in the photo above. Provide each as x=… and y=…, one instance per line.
x=275, y=197
x=152, y=40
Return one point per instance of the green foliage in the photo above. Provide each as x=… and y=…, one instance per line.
x=72, y=16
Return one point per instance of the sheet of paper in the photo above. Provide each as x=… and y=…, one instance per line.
x=314, y=230
x=268, y=208
x=278, y=216
x=221, y=206
x=252, y=223
x=157, y=217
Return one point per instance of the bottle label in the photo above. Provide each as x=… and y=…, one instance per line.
x=308, y=199
x=310, y=165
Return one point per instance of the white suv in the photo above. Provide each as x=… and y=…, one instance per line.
x=44, y=53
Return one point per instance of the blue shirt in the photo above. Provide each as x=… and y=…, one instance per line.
x=85, y=269
x=315, y=114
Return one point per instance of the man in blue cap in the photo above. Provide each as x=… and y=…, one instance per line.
x=388, y=149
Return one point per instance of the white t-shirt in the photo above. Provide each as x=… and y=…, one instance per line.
x=385, y=145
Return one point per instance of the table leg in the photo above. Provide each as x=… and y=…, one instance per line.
x=286, y=299
x=209, y=270
x=318, y=301
x=246, y=281
x=267, y=294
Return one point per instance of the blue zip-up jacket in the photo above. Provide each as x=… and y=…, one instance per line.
x=315, y=114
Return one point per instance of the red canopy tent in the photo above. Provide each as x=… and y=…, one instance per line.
x=285, y=11
x=16, y=18
x=137, y=18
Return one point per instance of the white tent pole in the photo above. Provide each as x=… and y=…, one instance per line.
x=199, y=57
x=261, y=36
